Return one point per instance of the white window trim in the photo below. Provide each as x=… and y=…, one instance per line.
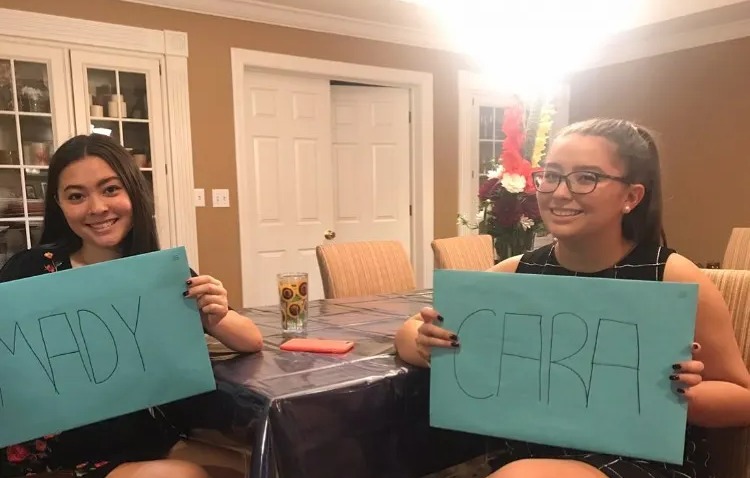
x=173, y=46
x=472, y=85
x=422, y=180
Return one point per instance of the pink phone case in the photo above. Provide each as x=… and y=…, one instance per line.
x=318, y=346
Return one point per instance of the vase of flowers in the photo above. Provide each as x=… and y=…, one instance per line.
x=508, y=208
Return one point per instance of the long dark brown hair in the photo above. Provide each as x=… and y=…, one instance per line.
x=142, y=237
x=637, y=149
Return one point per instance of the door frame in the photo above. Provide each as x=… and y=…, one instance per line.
x=420, y=85
x=470, y=86
x=172, y=48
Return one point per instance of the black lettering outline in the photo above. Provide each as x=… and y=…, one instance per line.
x=75, y=339
x=502, y=350
x=557, y=362
x=17, y=329
x=637, y=367
x=455, y=356
x=85, y=344
x=134, y=329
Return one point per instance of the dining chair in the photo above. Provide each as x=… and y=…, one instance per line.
x=354, y=269
x=737, y=253
x=729, y=445
x=473, y=252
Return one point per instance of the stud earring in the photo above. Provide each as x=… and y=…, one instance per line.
x=627, y=209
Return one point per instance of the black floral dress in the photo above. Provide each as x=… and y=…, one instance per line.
x=92, y=450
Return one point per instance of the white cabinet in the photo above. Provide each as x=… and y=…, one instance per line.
x=60, y=77
x=121, y=96
x=34, y=119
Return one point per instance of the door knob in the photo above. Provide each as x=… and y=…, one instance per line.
x=329, y=234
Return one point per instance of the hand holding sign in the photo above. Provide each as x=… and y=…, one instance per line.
x=573, y=362
x=689, y=373
x=211, y=297
x=430, y=335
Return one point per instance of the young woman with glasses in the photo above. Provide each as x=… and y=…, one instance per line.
x=600, y=196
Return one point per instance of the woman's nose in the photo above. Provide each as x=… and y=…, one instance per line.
x=97, y=205
x=562, y=191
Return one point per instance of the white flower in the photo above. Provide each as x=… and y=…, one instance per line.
x=480, y=216
x=496, y=173
x=32, y=93
x=513, y=183
x=526, y=223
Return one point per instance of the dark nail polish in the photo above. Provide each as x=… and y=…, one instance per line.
x=188, y=282
x=440, y=318
x=676, y=366
x=454, y=344
x=680, y=390
x=674, y=377
x=184, y=294
x=454, y=337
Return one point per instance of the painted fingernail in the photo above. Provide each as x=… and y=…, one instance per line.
x=188, y=282
x=454, y=344
x=676, y=366
x=674, y=377
x=454, y=337
x=184, y=294
x=680, y=390
x=440, y=318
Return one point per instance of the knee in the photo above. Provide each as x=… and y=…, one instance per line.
x=526, y=468
x=159, y=469
x=184, y=469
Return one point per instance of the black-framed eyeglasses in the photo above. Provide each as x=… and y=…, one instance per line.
x=578, y=182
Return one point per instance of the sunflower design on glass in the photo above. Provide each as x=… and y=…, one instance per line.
x=293, y=295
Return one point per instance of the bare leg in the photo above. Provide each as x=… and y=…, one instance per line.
x=547, y=468
x=158, y=469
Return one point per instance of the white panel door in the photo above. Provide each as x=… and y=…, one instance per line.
x=288, y=201
x=371, y=167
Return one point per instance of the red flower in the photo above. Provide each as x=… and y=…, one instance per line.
x=530, y=207
x=487, y=189
x=17, y=453
x=530, y=189
x=40, y=445
x=507, y=210
x=49, y=268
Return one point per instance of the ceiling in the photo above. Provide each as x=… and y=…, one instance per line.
x=656, y=26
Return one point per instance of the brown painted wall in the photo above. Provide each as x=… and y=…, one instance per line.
x=698, y=101
x=210, y=39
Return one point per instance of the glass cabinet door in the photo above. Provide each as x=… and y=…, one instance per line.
x=34, y=120
x=120, y=96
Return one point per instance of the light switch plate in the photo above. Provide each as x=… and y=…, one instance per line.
x=220, y=197
x=200, y=197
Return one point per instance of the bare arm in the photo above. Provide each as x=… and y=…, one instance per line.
x=237, y=332
x=406, y=337
x=722, y=399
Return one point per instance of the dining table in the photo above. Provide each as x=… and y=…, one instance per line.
x=364, y=413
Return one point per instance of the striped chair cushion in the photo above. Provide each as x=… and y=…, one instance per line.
x=364, y=268
x=474, y=253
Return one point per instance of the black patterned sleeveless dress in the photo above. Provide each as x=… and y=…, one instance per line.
x=644, y=262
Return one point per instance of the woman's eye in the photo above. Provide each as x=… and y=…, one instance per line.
x=111, y=190
x=586, y=178
x=75, y=197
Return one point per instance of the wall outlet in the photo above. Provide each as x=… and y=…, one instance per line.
x=220, y=197
x=200, y=197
